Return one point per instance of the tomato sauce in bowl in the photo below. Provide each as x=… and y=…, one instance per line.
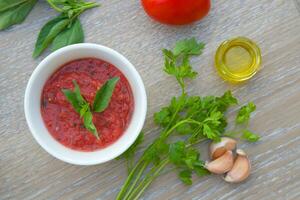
x=65, y=124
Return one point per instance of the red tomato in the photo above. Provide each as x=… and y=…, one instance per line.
x=176, y=12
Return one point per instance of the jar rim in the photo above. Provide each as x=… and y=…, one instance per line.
x=250, y=47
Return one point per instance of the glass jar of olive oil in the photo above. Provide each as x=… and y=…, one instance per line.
x=238, y=59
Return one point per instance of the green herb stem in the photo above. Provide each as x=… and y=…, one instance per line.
x=137, y=178
x=58, y=9
x=188, y=121
x=128, y=180
x=86, y=7
x=148, y=180
x=165, y=134
x=152, y=174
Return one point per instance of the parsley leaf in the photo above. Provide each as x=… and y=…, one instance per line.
x=184, y=129
x=177, y=153
x=249, y=136
x=201, y=170
x=244, y=113
x=186, y=177
x=209, y=133
x=187, y=160
x=188, y=47
x=169, y=115
x=227, y=100
x=163, y=117
x=158, y=149
x=177, y=62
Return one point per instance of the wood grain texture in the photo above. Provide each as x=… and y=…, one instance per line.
x=28, y=172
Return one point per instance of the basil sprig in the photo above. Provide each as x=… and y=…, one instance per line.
x=60, y=31
x=81, y=106
x=64, y=29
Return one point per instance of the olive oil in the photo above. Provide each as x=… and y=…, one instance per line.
x=238, y=59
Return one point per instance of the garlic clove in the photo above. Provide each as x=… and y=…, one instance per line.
x=222, y=164
x=241, y=168
x=217, y=149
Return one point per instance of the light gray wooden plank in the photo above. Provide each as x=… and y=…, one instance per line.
x=28, y=172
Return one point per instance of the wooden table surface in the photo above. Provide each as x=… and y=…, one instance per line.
x=28, y=172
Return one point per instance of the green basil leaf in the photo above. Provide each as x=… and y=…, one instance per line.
x=71, y=97
x=88, y=124
x=76, y=99
x=49, y=31
x=104, y=94
x=85, y=108
x=16, y=14
x=78, y=95
x=72, y=35
x=7, y=4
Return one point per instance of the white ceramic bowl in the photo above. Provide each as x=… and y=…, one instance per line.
x=33, y=101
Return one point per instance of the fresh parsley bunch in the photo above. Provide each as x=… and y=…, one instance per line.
x=63, y=30
x=192, y=119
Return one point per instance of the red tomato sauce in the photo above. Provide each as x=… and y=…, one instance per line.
x=65, y=124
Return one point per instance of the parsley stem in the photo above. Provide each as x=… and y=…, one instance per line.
x=189, y=121
x=152, y=174
x=130, y=177
x=128, y=180
x=136, y=180
x=149, y=177
x=133, y=171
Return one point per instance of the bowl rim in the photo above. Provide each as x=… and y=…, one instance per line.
x=115, y=149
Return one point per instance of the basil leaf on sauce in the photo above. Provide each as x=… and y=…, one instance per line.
x=71, y=97
x=49, y=31
x=85, y=108
x=104, y=94
x=71, y=35
x=75, y=98
x=78, y=95
x=82, y=107
x=88, y=124
x=14, y=12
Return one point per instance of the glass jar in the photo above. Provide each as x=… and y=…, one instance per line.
x=237, y=59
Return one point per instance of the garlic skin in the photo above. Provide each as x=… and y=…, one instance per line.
x=218, y=149
x=240, y=170
x=222, y=164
